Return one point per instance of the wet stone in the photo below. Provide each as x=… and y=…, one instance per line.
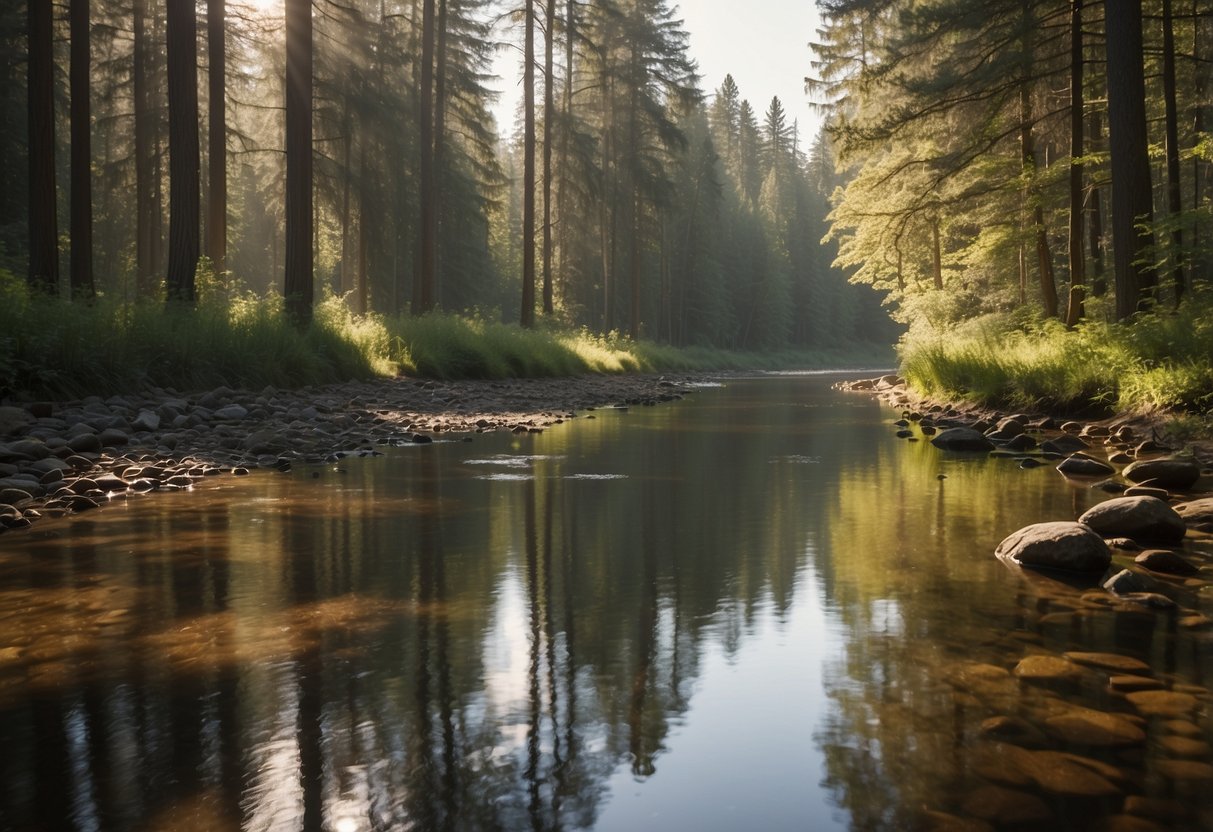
x=1185, y=770
x=1086, y=726
x=1165, y=561
x=1129, y=684
x=1048, y=670
x=1176, y=746
x=1109, y=661
x=1162, y=703
x=1005, y=806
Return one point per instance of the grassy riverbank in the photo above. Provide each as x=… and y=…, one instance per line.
x=1162, y=361
x=50, y=348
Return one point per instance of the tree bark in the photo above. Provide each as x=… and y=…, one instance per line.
x=440, y=173
x=1132, y=203
x=527, y=317
x=81, y=154
x=937, y=256
x=1174, y=194
x=43, y=219
x=183, y=196
x=423, y=284
x=1074, y=308
x=1099, y=283
x=216, y=214
x=1044, y=258
x=297, y=283
x=549, y=115
x=145, y=268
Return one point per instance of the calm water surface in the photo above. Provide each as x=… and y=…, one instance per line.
x=755, y=609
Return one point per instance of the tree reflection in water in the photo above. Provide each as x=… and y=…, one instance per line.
x=417, y=641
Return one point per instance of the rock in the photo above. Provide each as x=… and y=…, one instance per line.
x=85, y=443
x=1063, y=445
x=1059, y=545
x=1146, y=491
x=1185, y=770
x=12, y=495
x=1019, y=731
x=1128, y=684
x=961, y=439
x=1021, y=442
x=1183, y=746
x=1081, y=465
x=146, y=421
x=264, y=442
x=1165, y=561
x=1029, y=463
x=1164, y=703
x=1125, y=582
x=1141, y=518
x=1109, y=661
x=1086, y=726
x=1168, y=472
x=14, y=420
x=1196, y=511
x=1153, y=600
x=233, y=412
x=113, y=437
x=1005, y=807
x=1052, y=771
x=1048, y=670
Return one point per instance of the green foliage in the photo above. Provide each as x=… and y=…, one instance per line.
x=1160, y=361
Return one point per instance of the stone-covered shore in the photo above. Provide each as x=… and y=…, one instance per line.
x=59, y=458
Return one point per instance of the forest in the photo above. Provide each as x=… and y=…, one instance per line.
x=168, y=151
x=1028, y=184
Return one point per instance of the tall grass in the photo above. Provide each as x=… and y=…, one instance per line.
x=55, y=349
x=1162, y=360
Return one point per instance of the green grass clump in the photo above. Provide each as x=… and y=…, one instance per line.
x=1162, y=360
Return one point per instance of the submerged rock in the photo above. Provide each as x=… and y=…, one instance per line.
x=961, y=439
x=1063, y=444
x=1060, y=545
x=1165, y=561
x=1196, y=511
x=1141, y=518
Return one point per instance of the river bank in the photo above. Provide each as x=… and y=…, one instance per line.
x=59, y=458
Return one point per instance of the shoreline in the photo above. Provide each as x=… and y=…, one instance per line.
x=62, y=458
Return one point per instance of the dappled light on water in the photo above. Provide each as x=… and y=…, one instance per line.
x=758, y=609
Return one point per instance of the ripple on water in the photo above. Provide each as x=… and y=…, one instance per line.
x=796, y=459
x=511, y=460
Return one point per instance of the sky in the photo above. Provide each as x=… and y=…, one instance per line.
x=763, y=43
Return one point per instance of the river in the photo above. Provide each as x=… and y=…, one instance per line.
x=754, y=609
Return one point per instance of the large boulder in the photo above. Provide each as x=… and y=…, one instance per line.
x=1063, y=444
x=961, y=439
x=1141, y=518
x=1061, y=545
x=1168, y=472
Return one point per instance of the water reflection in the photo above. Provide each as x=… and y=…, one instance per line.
x=758, y=609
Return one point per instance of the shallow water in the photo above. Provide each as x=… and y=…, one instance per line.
x=753, y=609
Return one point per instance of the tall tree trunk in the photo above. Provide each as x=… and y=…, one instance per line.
x=297, y=283
x=1074, y=308
x=440, y=173
x=1132, y=204
x=345, y=280
x=1174, y=195
x=43, y=220
x=183, y=150
x=216, y=209
x=937, y=256
x=549, y=115
x=363, y=211
x=145, y=268
x=81, y=154
x=1099, y=283
x=423, y=283
x=563, y=197
x=1044, y=258
x=528, y=170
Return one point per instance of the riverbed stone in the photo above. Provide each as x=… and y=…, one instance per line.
x=1166, y=562
x=1048, y=670
x=1126, y=582
x=961, y=439
x=1058, y=545
x=1196, y=511
x=85, y=441
x=1086, y=726
x=1108, y=661
x=1064, y=444
x=1167, y=472
x=1189, y=770
x=1164, y=703
x=146, y=420
x=234, y=412
x=1141, y=518
x=1081, y=465
x=1130, y=683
